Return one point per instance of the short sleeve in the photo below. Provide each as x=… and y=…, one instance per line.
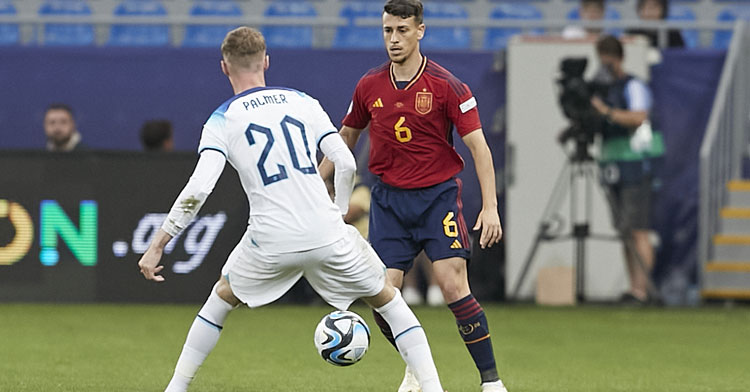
x=212, y=136
x=462, y=109
x=320, y=122
x=357, y=116
x=638, y=96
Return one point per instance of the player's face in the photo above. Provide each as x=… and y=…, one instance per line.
x=59, y=126
x=401, y=36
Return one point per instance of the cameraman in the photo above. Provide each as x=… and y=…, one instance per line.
x=629, y=148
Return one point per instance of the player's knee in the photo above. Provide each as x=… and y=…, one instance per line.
x=454, y=289
x=224, y=291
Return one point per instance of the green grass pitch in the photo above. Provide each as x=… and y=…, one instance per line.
x=134, y=348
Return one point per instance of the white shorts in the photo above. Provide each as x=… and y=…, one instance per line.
x=341, y=272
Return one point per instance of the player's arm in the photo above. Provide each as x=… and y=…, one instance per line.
x=489, y=218
x=185, y=208
x=339, y=156
x=350, y=136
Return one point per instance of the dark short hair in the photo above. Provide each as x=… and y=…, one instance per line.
x=599, y=3
x=609, y=45
x=663, y=3
x=405, y=9
x=154, y=133
x=60, y=106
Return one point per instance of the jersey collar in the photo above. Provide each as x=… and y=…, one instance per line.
x=413, y=79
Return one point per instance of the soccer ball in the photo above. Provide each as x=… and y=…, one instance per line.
x=342, y=338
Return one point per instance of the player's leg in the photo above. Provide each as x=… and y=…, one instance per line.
x=410, y=338
x=392, y=242
x=396, y=278
x=203, y=334
x=446, y=242
x=451, y=275
x=350, y=269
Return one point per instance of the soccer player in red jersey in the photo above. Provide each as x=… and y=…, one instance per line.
x=411, y=105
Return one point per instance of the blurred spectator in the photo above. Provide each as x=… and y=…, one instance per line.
x=156, y=135
x=589, y=10
x=655, y=10
x=629, y=150
x=60, y=129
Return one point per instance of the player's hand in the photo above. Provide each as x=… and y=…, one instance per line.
x=149, y=265
x=492, y=231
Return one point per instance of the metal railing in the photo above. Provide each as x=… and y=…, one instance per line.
x=324, y=22
x=726, y=138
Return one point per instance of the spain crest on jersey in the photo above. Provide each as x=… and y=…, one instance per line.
x=423, y=102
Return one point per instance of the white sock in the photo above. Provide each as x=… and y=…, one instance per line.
x=201, y=339
x=412, y=342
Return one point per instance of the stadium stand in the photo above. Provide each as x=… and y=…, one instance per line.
x=210, y=35
x=446, y=37
x=352, y=36
x=684, y=13
x=9, y=33
x=729, y=14
x=497, y=38
x=139, y=35
x=59, y=34
x=92, y=22
x=289, y=36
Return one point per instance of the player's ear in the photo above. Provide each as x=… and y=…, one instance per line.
x=224, y=68
x=420, y=31
x=266, y=63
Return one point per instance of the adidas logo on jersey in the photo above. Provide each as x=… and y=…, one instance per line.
x=456, y=245
x=378, y=103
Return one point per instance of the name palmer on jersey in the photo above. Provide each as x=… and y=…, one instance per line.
x=256, y=102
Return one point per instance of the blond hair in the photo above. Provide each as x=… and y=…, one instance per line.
x=244, y=47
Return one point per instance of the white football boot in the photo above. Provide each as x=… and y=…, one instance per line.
x=410, y=383
x=495, y=386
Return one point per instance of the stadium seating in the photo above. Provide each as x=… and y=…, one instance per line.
x=729, y=14
x=60, y=34
x=609, y=14
x=685, y=13
x=352, y=36
x=9, y=33
x=497, y=38
x=139, y=35
x=210, y=35
x=289, y=36
x=445, y=37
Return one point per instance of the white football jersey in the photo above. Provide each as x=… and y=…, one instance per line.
x=270, y=135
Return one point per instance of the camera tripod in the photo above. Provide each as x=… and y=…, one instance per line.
x=578, y=173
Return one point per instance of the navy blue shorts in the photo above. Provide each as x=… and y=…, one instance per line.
x=405, y=221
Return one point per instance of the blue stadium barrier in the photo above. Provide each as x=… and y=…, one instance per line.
x=67, y=34
x=729, y=14
x=9, y=33
x=289, y=36
x=352, y=36
x=139, y=35
x=210, y=36
x=445, y=37
x=685, y=13
x=497, y=38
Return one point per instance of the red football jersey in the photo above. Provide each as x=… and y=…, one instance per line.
x=411, y=129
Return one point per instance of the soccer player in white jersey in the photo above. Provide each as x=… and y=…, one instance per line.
x=270, y=136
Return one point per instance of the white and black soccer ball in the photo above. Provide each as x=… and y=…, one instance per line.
x=342, y=338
